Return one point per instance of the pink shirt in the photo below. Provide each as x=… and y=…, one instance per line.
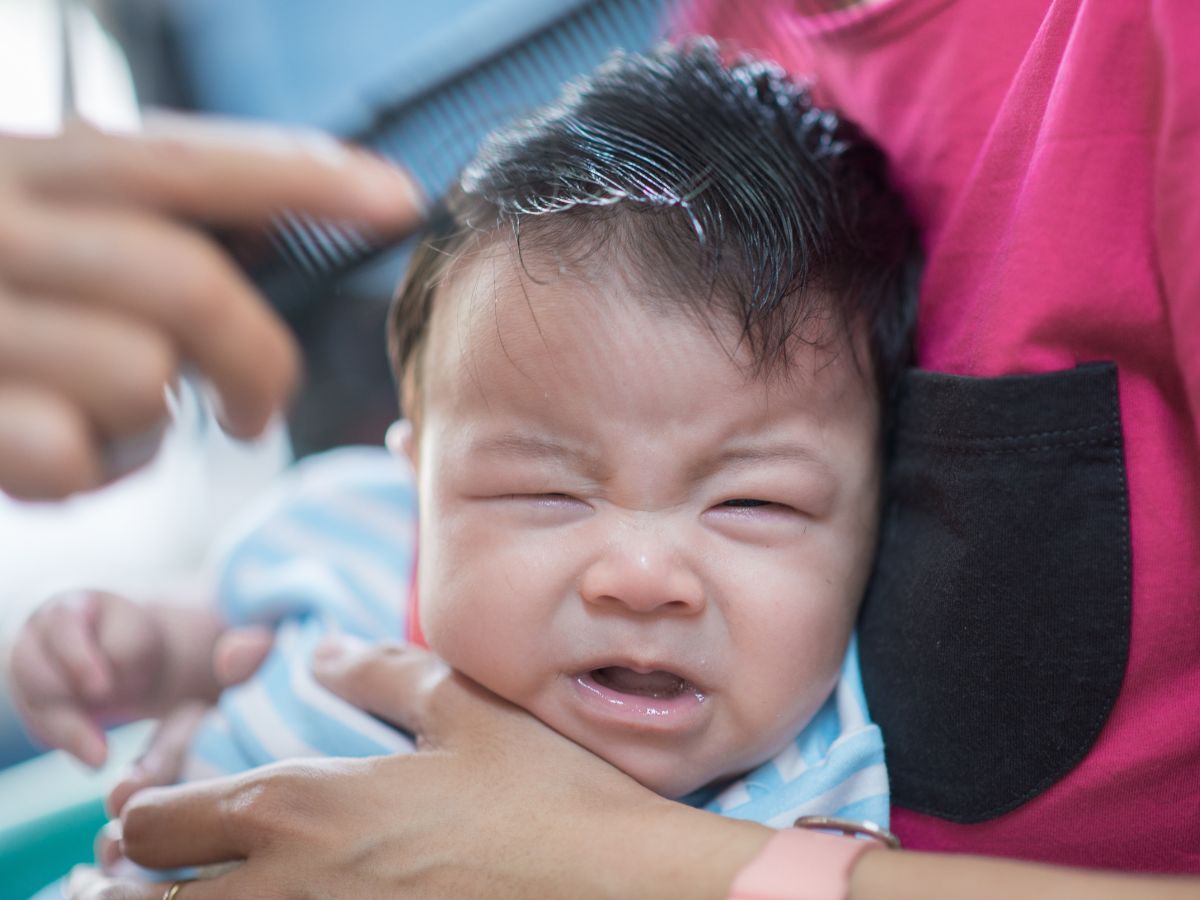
x=1050, y=150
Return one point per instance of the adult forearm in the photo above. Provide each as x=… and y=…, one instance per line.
x=883, y=875
x=500, y=806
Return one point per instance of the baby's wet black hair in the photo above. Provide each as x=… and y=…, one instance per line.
x=727, y=188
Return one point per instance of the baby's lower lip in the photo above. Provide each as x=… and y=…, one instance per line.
x=675, y=711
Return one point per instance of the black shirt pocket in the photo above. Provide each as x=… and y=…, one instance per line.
x=995, y=631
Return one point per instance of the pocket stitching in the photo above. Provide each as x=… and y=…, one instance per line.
x=1102, y=717
x=1109, y=442
x=1127, y=606
x=915, y=435
x=1110, y=438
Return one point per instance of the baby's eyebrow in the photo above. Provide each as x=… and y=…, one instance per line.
x=739, y=455
x=536, y=447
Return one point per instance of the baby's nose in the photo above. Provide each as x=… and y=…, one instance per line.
x=644, y=574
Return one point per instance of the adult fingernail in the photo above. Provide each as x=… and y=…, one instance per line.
x=389, y=189
x=336, y=648
x=116, y=798
x=331, y=649
x=108, y=845
x=376, y=172
x=233, y=421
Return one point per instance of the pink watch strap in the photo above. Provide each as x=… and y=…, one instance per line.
x=797, y=864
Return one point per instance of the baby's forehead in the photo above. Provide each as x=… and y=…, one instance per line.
x=529, y=307
x=514, y=334
x=500, y=288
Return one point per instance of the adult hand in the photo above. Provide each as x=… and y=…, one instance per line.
x=494, y=805
x=237, y=655
x=497, y=805
x=107, y=284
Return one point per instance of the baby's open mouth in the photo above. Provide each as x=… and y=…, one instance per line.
x=658, y=684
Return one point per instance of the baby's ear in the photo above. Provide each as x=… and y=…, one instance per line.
x=401, y=440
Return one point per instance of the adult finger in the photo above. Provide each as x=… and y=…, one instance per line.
x=47, y=447
x=169, y=278
x=217, y=171
x=69, y=636
x=221, y=819
x=162, y=761
x=114, y=367
x=151, y=819
x=391, y=681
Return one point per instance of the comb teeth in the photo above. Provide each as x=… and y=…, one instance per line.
x=549, y=42
x=319, y=249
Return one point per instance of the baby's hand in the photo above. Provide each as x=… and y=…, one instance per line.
x=86, y=660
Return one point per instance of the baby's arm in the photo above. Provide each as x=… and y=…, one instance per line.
x=87, y=660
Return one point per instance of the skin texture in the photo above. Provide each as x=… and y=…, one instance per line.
x=514, y=774
x=558, y=822
x=496, y=804
x=603, y=484
x=107, y=285
x=87, y=660
x=549, y=819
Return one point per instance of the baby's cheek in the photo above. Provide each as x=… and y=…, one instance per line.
x=792, y=642
x=475, y=607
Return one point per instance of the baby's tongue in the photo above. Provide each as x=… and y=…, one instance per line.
x=645, y=684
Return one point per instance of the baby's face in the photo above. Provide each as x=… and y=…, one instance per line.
x=625, y=534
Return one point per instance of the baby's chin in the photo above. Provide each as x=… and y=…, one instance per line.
x=678, y=786
x=673, y=778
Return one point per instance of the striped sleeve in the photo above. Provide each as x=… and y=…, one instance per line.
x=335, y=539
x=834, y=767
x=332, y=549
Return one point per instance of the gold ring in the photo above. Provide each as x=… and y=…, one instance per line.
x=174, y=889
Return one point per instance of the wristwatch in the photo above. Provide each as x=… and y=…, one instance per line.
x=802, y=863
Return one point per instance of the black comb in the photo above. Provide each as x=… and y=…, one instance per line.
x=520, y=53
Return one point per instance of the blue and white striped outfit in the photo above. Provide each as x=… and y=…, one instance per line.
x=333, y=550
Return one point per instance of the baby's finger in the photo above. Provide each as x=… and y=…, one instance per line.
x=36, y=681
x=240, y=652
x=162, y=762
x=45, y=702
x=71, y=645
x=69, y=729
